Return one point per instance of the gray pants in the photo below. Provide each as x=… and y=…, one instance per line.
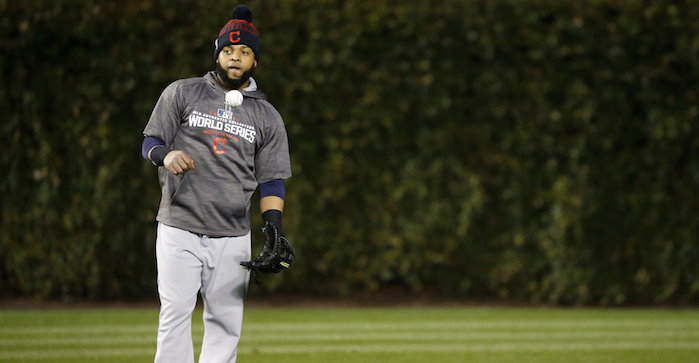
x=189, y=264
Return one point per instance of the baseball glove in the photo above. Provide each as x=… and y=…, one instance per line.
x=276, y=254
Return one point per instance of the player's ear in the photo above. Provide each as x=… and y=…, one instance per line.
x=255, y=64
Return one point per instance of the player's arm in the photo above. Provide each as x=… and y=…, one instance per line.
x=161, y=129
x=276, y=254
x=272, y=195
x=155, y=151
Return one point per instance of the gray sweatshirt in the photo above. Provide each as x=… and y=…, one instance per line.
x=233, y=150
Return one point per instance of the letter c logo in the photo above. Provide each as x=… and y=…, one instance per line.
x=216, y=149
x=236, y=39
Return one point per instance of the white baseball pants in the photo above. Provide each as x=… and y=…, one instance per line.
x=189, y=264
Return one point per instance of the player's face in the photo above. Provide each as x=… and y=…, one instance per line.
x=235, y=65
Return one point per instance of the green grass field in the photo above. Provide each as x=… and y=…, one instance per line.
x=296, y=335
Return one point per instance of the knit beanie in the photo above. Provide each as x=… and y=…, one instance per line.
x=239, y=30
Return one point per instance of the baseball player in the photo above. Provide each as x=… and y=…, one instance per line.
x=215, y=140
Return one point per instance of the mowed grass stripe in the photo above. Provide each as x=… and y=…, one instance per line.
x=428, y=328
x=143, y=339
x=77, y=353
x=468, y=325
x=109, y=330
x=256, y=327
x=363, y=348
x=494, y=347
x=76, y=341
x=335, y=331
x=470, y=336
x=380, y=342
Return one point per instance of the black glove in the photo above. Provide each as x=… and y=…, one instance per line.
x=276, y=254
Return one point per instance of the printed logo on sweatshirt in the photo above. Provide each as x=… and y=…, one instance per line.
x=222, y=123
x=224, y=113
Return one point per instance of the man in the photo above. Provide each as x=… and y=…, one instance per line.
x=215, y=139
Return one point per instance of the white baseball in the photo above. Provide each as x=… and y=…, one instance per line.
x=234, y=98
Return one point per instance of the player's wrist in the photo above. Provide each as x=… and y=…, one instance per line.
x=273, y=216
x=157, y=155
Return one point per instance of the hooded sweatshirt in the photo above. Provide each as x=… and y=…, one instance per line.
x=234, y=149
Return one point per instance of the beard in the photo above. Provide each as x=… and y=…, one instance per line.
x=233, y=83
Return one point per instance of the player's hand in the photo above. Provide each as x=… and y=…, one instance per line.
x=178, y=162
